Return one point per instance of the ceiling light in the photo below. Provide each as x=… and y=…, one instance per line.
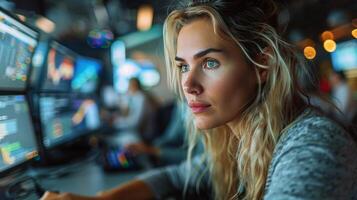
x=145, y=17
x=354, y=33
x=45, y=24
x=327, y=35
x=21, y=17
x=330, y=45
x=309, y=52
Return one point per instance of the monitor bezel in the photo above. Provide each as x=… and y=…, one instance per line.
x=16, y=18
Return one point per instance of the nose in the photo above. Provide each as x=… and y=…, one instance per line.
x=192, y=83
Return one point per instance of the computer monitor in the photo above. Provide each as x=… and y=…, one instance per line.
x=17, y=137
x=59, y=68
x=86, y=75
x=17, y=44
x=345, y=56
x=64, y=119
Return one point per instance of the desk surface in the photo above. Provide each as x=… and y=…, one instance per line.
x=86, y=179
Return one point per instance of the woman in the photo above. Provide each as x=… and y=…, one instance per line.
x=136, y=125
x=262, y=141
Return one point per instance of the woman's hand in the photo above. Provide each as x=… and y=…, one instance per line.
x=132, y=190
x=66, y=196
x=57, y=196
x=142, y=148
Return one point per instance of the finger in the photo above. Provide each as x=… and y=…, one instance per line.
x=101, y=193
x=48, y=196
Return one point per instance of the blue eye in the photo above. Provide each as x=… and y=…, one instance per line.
x=211, y=64
x=184, y=68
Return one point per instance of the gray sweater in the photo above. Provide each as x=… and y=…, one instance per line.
x=314, y=159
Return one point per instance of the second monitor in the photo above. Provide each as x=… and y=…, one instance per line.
x=65, y=118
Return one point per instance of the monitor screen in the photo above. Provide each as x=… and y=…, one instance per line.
x=86, y=115
x=17, y=44
x=345, y=56
x=56, y=119
x=17, y=137
x=59, y=68
x=64, y=119
x=86, y=75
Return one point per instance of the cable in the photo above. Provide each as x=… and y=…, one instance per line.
x=61, y=171
x=22, y=188
x=25, y=186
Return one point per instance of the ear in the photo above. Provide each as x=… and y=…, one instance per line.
x=263, y=74
x=263, y=59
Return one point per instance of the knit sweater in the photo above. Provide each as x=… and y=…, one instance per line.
x=314, y=159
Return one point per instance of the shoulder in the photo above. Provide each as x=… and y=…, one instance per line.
x=317, y=133
x=314, y=157
x=312, y=128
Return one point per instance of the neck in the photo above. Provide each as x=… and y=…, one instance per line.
x=232, y=125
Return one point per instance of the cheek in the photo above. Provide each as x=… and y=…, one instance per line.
x=220, y=88
x=234, y=90
x=182, y=80
x=229, y=84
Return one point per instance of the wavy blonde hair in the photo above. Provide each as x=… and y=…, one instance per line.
x=238, y=160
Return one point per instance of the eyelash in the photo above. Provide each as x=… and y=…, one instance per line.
x=181, y=66
x=204, y=64
x=211, y=60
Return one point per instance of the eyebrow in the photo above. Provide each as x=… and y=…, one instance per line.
x=201, y=53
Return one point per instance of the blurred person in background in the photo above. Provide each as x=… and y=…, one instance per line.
x=342, y=96
x=136, y=117
x=262, y=140
x=109, y=97
x=168, y=148
x=136, y=105
x=109, y=106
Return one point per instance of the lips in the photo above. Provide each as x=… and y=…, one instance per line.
x=198, y=107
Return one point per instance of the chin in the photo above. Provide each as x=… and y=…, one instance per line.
x=204, y=124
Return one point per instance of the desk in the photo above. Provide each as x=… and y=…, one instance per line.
x=88, y=179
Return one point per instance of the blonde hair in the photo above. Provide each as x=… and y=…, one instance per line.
x=238, y=161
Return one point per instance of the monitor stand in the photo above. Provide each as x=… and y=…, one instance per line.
x=64, y=154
